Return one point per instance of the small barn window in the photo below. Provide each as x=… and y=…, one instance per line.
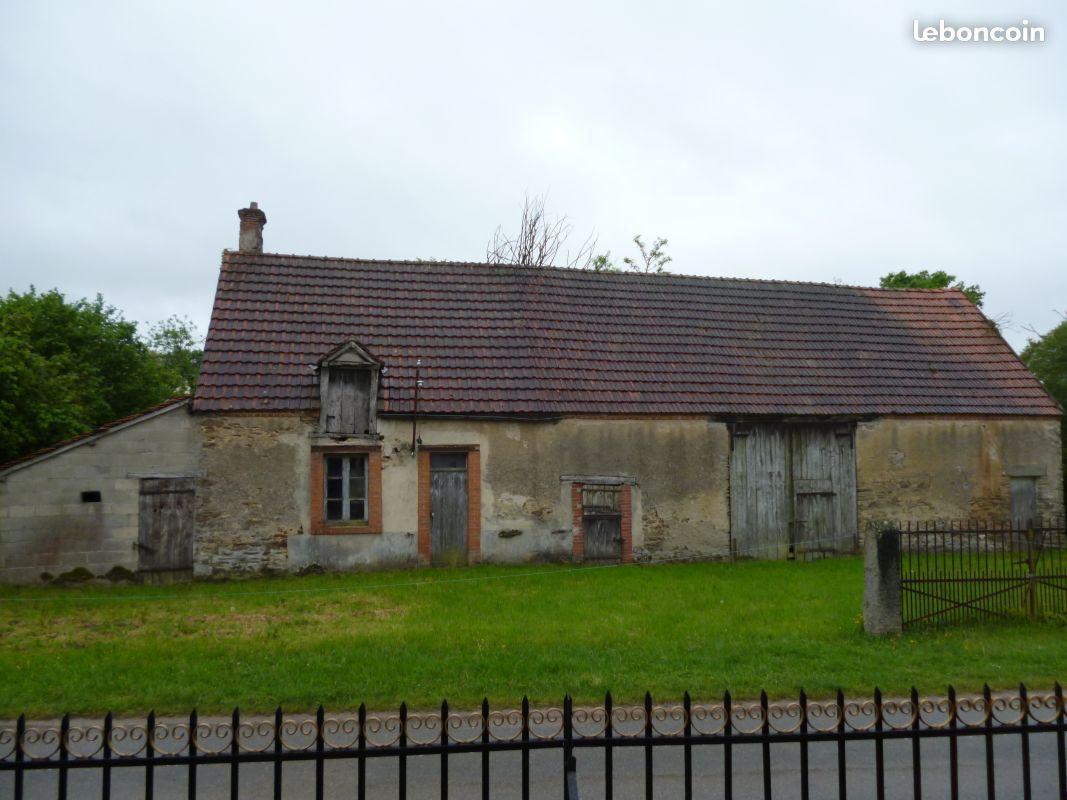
x=348, y=391
x=91, y=497
x=348, y=401
x=346, y=488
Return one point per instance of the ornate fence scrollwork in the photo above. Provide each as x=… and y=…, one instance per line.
x=81, y=744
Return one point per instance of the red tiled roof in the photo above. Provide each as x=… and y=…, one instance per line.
x=504, y=340
x=107, y=426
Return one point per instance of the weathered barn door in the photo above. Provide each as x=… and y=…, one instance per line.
x=448, y=508
x=792, y=490
x=602, y=523
x=165, y=525
x=347, y=402
x=824, y=489
x=1023, y=502
x=760, y=507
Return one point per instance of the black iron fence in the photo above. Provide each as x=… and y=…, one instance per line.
x=968, y=570
x=785, y=737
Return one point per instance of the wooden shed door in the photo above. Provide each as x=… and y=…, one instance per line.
x=602, y=523
x=448, y=509
x=165, y=525
x=1023, y=503
x=760, y=507
x=792, y=490
x=824, y=489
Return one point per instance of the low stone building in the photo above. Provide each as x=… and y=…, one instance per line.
x=355, y=413
x=120, y=496
x=369, y=413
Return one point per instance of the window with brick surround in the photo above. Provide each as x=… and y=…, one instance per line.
x=603, y=521
x=346, y=489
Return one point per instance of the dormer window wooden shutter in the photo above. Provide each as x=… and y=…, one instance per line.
x=348, y=391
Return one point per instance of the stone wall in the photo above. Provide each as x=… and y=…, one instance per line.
x=253, y=514
x=949, y=469
x=252, y=501
x=252, y=493
x=680, y=500
x=45, y=526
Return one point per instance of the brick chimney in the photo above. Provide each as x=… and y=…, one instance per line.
x=252, y=222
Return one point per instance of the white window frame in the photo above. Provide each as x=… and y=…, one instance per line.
x=346, y=488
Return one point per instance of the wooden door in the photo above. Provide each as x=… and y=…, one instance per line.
x=792, y=490
x=602, y=523
x=824, y=489
x=448, y=509
x=1023, y=503
x=165, y=525
x=760, y=503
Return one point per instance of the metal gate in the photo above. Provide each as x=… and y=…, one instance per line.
x=969, y=571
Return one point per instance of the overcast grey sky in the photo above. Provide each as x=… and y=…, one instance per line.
x=774, y=140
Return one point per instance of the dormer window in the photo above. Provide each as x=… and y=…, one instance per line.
x=348, y=391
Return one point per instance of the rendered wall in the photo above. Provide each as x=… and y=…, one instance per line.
x=950, y=469
x=680, y=500
x=44, y=525
x=252, y=502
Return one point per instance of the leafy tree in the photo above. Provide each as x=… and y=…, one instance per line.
x=603, y=263
x=932, y=280
x=40, y=400
x=175, y=345
x=652, y=259
x=1046, y=357
x=68, y=366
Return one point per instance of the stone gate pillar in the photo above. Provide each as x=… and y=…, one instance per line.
x=881, y=583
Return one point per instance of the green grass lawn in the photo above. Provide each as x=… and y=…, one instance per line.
x=495, y=631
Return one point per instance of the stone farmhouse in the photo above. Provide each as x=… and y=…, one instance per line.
x=354, y=413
